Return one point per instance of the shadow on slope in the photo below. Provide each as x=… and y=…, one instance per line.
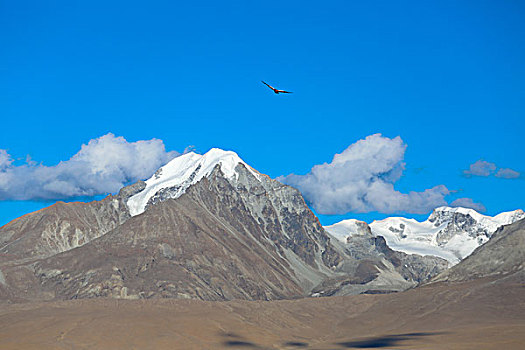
x=385, y=341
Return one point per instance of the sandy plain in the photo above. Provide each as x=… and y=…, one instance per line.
x=481, y=314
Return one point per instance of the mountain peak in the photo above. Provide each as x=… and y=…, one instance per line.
x=172, y=179
x=442, y=214
x=472, y=212
x=460, y=210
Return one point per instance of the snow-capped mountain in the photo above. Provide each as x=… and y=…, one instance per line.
x=502, y=255
x=174, y=178
x=449, y=233
x=210, y=227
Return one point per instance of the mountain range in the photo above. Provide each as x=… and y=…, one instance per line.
x=211, y=227
x=448, y=233
x=477, y=303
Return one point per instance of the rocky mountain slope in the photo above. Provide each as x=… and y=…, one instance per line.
x=203, y=226
x=63, y=226
x=449, y=233
x=373, y=268
x=502, y=255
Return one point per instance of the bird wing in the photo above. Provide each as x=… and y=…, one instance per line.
x=285, y=92
x=271, y=87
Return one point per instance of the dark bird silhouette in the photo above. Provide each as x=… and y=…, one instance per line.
x=277, y=91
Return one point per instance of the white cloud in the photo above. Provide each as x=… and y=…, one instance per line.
x=485, y=169
x=361, y=179
x=468, y=203
x=507, y=173
x=480, y=168
x=5, y=159
x=104, y=165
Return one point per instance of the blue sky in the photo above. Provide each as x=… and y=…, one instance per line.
x=448, y=77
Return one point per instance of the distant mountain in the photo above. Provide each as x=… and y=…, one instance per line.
x=203, y=226
x=502, y=255
x=449, y=233
x=372, y=267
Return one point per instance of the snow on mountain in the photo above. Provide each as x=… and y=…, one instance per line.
x=449, y=233
x=172, y=180
x=413, y=237
x=347, y=228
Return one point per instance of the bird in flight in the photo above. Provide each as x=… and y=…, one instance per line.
x=277, y=91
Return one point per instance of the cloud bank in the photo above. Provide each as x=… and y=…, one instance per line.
x=507, y=173
x=480, y=168
x=361, y=179
x=102, y=166
x=468, y=203
x=485, y=169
